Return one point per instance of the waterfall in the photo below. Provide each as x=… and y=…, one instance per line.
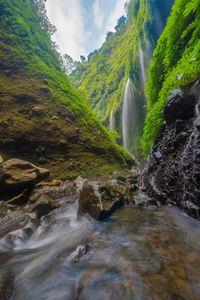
x=143, y=71
x=142, y=67
x=125, y=112
x=112, y=121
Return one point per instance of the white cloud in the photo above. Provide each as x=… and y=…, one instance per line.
x=112, y=20
x=80, y=27
x=66, y=16
x=98, y=15
x=115, y=15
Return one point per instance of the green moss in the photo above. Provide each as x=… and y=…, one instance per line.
x=103, y=77
x=27, y=52
x=176, y=62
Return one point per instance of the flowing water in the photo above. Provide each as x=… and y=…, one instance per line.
x=141, y=254
x=128, y=97
x=142, y=67
x=133, y=116
x=190, y=163
x=112, y=121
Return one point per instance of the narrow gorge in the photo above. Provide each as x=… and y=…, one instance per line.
x=100, y=158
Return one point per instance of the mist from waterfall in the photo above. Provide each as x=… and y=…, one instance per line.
x=112, y=121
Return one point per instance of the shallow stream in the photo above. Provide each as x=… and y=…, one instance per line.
x=138, y=254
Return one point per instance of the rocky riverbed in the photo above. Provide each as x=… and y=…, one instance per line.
x=138, y=253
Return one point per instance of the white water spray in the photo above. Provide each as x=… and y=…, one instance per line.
x=125, y=112
x=143, y=71
x=112, y=121
x=141, y=58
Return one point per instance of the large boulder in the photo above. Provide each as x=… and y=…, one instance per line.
x=101, y=199
x=19, y=174
x=90, y=200
x=179, y=106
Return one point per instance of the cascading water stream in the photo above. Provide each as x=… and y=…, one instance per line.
x=143, y=71
x=142, y=67
x=112, y=121
x=125, y=113
x=68, y=256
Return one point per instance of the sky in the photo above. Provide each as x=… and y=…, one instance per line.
x=82, y=24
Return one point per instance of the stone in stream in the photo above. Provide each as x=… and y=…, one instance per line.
x=90, y=200
x=44, y=205
x=12, y=220
x=102, y=199
x=80, y=251
x=19, y=174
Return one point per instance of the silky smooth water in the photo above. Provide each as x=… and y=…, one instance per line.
x=112, y=121
x=128, y=97
x=141, y=254
x=142, y=67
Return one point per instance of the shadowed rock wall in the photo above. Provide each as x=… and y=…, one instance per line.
x=172, y=170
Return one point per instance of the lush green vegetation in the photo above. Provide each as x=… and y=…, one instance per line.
x=103, y=77
x=26, y=33
x=176, y=61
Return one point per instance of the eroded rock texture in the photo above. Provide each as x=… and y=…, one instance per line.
x=172, y=171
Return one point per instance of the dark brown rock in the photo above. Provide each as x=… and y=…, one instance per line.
x=19, y=174
x=1, y=168
x=174, y=176
x=179, y=106
x=53, y=191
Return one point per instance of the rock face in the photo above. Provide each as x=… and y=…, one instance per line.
x=1, y=168
x=179, y=106
x=172, y=171
x=19, y=174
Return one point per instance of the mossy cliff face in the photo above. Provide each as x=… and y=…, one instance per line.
x=42, y=118
x=176, y=62
x=172, y=171
x=125, y=54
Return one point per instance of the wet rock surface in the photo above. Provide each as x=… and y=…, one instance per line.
x=80, y=251
x=12, y=220
x=142, y=200
x=54, y=191
x=179, y=106
x=1, y=168
x=172, y=171
x=44, y=205
x=102, y=198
